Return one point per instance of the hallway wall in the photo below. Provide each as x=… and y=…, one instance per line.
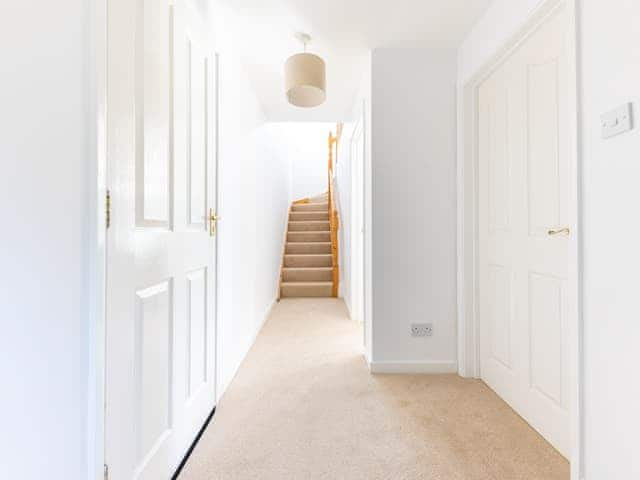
x=304, y=146
x=609, y=66
x=45, y=206
x=414, y=208
x=610, y=69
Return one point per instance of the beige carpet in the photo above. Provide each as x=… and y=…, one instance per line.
x=303, y=406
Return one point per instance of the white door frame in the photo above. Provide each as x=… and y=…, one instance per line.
x=96, y=52
x=467, y=178
x=357, y=186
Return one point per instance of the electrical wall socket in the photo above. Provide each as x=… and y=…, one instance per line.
x=421, y=329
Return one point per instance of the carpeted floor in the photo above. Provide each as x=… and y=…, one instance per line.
x=304, y=406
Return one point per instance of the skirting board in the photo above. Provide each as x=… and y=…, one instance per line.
x=431, y=367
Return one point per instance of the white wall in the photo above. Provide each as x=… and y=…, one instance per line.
x=304, y=146
x=44, y=206
x=609, y=65
x=610, y=69
x=414, y=207
x=254, y=198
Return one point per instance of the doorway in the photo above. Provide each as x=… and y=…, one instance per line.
x=519, y=324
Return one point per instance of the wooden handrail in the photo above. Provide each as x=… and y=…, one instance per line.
x=333, y=211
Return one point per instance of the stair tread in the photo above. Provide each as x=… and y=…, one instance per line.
x=308, y=243
x=309, y=284
x=308, y=268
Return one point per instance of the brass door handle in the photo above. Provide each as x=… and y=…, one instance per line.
x=213, y=222
x=559, y=231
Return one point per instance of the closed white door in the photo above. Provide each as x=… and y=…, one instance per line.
x=160, y=347
x=523, y=247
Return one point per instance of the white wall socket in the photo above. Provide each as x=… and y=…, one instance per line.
x=421, y=329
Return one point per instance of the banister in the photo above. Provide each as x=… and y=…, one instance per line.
x=333, y=212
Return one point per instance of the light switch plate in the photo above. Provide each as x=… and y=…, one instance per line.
x=617, y=121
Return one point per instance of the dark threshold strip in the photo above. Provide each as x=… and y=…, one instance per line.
x=193, y=445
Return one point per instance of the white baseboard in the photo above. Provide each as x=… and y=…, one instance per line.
x=428, y=367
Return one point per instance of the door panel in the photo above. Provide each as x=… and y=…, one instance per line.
x=197, y=330
x=545, y=320
x=153, y=104
x=500, y=313
x=152, y=368
x=544, y=176
x=197, y=71
x=523, y=193
x=160, y=347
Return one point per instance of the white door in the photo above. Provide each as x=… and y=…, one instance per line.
x=160, y=347
x=523, y=251
x=357, y=223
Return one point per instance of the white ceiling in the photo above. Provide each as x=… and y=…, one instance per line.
x=343, y=31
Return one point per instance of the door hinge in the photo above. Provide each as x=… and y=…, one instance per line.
x=106, y=472
x=108, y=209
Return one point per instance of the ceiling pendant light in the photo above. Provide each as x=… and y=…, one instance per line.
x=305, y=77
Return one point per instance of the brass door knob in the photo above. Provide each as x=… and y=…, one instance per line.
x=554, y=232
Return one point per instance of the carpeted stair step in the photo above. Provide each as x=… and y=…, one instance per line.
x=307, y=289
x=309, y=237
x=308, y=247
x=309, y=226
x=313, y=216
x=323, y=274
x=307, y=261
x=310, y=207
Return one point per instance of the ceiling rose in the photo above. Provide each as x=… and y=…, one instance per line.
x=305, y=77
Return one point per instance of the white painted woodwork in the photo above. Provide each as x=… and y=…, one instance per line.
x=160, y=346
x=523, y=192
x=357, y=222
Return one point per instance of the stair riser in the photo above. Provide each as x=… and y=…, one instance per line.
x=302, y=291
x=308, y=275
x=312, y=216
x=307, y=248
x=308, y=237
x=307, y=261
x=308, y=226
x=311, y=207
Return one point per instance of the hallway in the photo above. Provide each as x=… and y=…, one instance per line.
x=304, y=406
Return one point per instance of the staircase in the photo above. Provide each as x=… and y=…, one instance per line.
x=307, y=267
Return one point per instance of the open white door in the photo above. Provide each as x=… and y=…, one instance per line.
x=161, y=265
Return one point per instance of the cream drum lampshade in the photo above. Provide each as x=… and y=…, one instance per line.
x=305, y=80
